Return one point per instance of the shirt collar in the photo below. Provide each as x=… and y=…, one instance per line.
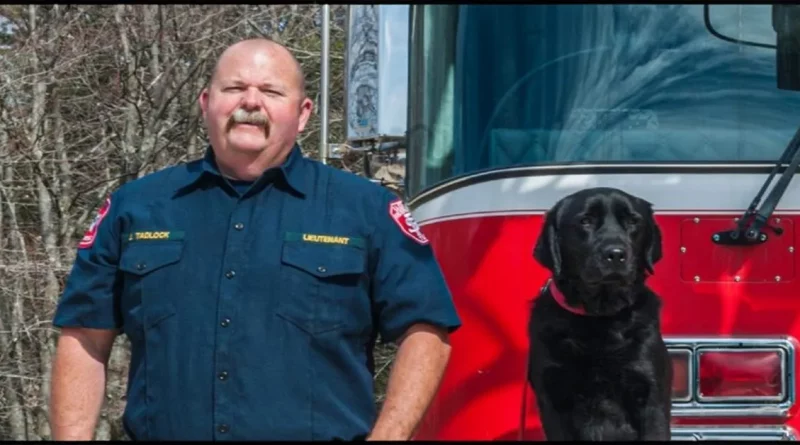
x=291, y=169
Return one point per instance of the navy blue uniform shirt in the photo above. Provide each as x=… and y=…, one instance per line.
x=253, y=316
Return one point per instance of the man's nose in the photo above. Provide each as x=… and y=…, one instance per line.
x=251, y=99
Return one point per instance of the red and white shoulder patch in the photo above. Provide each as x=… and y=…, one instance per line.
x=91, y=233
x=402, y=217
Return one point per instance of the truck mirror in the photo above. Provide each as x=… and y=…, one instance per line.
x=786, y=23
x=774, y=27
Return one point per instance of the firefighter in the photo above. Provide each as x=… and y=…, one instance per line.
x=252, y=285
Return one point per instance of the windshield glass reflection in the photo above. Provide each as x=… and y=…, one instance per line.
x=541, y=84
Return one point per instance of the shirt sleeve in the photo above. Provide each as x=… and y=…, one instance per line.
x=408, y=285
x=91, y=296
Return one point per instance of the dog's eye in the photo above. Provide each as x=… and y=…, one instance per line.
x=632, y=220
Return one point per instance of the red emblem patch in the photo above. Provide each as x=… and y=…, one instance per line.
x=402, y=217
x=91, y=233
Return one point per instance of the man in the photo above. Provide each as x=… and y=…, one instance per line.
x=252, y=285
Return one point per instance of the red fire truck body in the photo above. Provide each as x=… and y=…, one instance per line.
x=730, y=314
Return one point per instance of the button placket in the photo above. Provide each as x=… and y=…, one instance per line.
x=227, y=296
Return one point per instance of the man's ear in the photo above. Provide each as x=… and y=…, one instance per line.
x=203, y=101
x=306, y=107
x=547, y=251
x=653, y=248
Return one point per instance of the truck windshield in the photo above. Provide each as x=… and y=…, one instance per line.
x=512, y=85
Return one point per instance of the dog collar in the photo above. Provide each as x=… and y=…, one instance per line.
x=559, y=297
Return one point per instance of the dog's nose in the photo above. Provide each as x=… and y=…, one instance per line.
x=614, y=255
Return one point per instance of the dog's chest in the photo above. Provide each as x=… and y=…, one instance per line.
x=612, y=362
x=600, y=345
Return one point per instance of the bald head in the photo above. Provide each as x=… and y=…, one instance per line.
x=254, y=107
x=261, y=50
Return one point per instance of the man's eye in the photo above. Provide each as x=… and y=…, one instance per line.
x=586, y=221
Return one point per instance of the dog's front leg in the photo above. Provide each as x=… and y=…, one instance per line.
x=656, y=414
x=555, y=426
x=648, y=404
x=556, y=401
x=656, y=424
x=603, y=420
x=654, y=418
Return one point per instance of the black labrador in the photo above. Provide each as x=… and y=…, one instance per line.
x=598, y=363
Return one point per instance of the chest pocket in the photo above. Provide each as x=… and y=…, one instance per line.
x=323, y=285
x=151, y=277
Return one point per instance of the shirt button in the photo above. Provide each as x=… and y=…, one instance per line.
x=238, y=226
x=141, y=266
x=222, y=428
x=223, y=375
x=322, y=269
x=230, y=274
x=225, y=322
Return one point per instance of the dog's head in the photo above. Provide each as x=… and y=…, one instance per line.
x=599, y=244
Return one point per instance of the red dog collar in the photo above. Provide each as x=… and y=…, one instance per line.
x=559, y=297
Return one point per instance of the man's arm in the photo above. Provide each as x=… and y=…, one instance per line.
x=414, y=309
x=89, y=317
x=79, y=381
x=419, y=365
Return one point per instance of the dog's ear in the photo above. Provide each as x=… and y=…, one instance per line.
x=546, y=251
x=653, y=247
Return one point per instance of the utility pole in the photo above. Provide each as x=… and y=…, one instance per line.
x=324, y=69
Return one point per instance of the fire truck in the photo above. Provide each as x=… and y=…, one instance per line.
x=501, y=110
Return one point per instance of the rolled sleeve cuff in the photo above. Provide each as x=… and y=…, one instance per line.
x=392, y=330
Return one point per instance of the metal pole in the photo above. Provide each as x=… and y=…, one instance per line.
x=323, y=100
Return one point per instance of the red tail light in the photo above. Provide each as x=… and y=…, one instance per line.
x=681, y=385
x=741, y=375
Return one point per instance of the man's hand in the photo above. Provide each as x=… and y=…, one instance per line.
x=78, y=382
x=418, y=369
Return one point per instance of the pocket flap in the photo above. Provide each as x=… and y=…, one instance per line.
x=324, y=260
x=143, y=258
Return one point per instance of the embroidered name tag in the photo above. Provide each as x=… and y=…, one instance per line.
x=154, y=236
x=324, y=239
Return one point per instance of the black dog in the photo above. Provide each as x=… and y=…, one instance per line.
x=598, y=364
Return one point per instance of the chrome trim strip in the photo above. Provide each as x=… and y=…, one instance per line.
x=462, y=180
x=705, y=409
x=779, y=398
x=689, y=433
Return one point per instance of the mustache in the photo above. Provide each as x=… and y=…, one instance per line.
x=241, y=116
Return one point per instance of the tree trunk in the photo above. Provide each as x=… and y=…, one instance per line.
x=15, y=285
x=128, y=143
x=14, y=410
